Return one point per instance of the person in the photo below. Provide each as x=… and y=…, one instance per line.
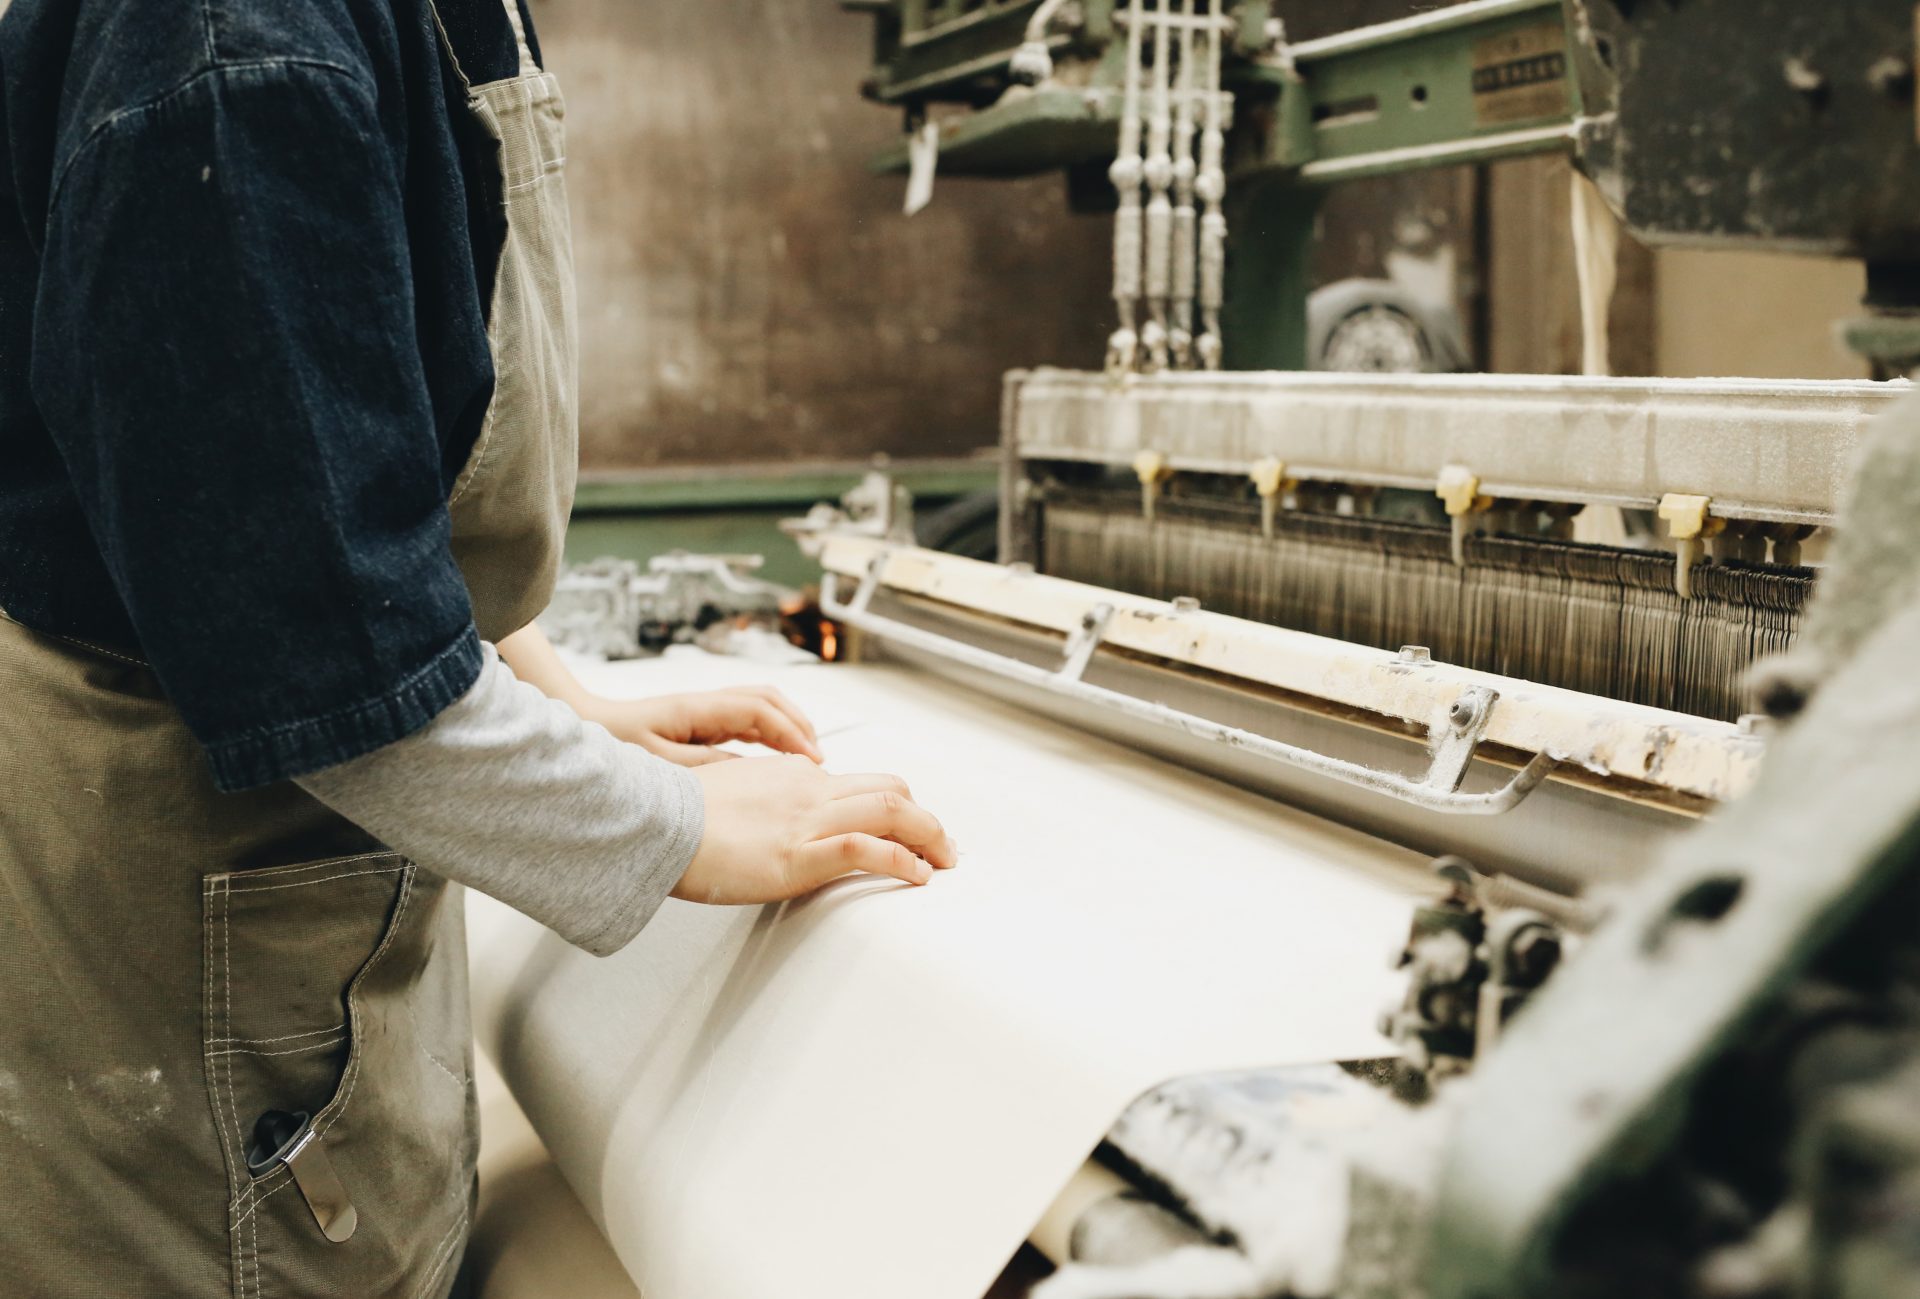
x=287, y=449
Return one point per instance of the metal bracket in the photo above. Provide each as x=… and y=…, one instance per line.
x=1454, y=742
x=1152, y=469
x=863, y=594
x=1689, y=524
x=1459, y=488
x=1082, y=644
x=1269, y=482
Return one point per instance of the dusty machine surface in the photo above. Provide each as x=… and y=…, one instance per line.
x=1628, y=660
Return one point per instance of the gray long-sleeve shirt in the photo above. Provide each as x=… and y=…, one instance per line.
x=510, y=792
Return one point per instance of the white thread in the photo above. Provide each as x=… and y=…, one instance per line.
x=307, y=884
x=243, y=876
x=353, y=992
x=443, y=1252
x=294, y=1050
x=287, y=1037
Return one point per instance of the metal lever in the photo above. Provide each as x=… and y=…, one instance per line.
x=1437, y=791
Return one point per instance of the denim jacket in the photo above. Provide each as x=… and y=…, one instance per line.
x=245, y=252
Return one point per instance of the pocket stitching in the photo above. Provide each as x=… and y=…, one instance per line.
x=285, y=1037
x=336, y=1040
x=419, y=1038
x=483, y=446
x=332, y=1110
x=307, y=884
x=304, y=866
x=255, y=1190
x=226, y=978
x=443, y=1252
x=262, y=1189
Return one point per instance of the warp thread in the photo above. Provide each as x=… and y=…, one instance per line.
x=1601, y=620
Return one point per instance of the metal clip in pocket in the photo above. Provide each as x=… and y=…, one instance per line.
x=290, y=1139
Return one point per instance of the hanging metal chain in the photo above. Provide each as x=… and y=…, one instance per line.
x=1126, y=173
x=1186, y=127
x=1164, y=250
x=1159, y=174
x=1211, y=186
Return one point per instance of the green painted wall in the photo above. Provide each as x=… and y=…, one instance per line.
x=638, y=516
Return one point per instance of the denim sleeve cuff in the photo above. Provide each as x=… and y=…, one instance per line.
x=301, y=746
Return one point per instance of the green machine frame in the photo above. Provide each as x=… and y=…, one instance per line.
x=1474, y=83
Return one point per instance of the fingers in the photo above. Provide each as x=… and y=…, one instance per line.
x=684, y=755
x=853, y=786
x=828, y=859
x=889, y=814
x=749, y=717
x=784, y=704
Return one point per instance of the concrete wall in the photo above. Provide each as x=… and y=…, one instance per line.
x=748, y=292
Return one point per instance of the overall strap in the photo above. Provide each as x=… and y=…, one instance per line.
x=529, y=66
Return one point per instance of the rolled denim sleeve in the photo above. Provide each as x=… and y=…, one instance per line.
x=225, y=350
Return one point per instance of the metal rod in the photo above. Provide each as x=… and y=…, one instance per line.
x=1127, y=172
x=1211, y=187
x=1450, y=18
x=1186, y=218
x=856, y=613
x=1159, y=177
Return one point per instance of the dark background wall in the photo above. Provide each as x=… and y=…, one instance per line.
x=751, y=295
x=748, y=292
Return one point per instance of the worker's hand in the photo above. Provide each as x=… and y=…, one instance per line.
x=781, y=827
x=684, y=728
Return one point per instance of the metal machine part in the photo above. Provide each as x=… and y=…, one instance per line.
x=1283, y=1180
x=1443, y=509
x=1714, y=1098
x=1561, y=1184
x=1379, y=327
x=1188, y=153
x=1453, y=741
x=1647, y=751
x=610, y=609
x=1337, y=729
x=878, y=506
x=1804, y=93
x=1470, y=969
x=1761, y=452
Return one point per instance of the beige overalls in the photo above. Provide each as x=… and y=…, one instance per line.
x=234, y=1038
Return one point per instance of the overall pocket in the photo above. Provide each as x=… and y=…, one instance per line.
x=336, y=1035
x=284, y=947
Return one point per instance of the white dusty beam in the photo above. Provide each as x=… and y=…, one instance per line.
x=1606, y=737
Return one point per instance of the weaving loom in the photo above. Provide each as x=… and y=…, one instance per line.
x=1509, y=623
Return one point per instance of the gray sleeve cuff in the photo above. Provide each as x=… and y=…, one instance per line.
x=511, y=793
x=682, y=823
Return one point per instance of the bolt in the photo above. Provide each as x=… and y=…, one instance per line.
x=1810, y=83
x=1533, y=955
x=1892, y=77
x=1757, y=724
x=1416, y=655
x=1021, y=568
x=1463, y=712
x=1185, y=604
x=1802, y=77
